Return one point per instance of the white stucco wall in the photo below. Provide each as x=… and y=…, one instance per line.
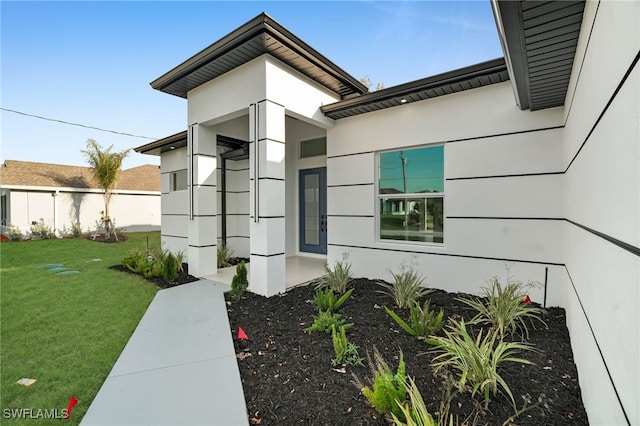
x=301, y=96
x=503, y=191
x=174, y=204
x=131, y=211
x=602, y=192
x=28, y=206
x=228, y=95
x=237, y=207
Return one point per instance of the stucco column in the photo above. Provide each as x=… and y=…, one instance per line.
x=267, y=198
x=201, y=176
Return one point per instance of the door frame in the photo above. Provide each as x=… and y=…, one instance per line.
x=321, y=247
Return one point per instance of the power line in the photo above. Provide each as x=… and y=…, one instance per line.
x=75, y=124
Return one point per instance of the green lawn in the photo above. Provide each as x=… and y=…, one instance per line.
x=65, y=331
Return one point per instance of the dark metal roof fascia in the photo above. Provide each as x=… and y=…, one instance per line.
x=156, y=147
x=232, y=40
x=508, y=16
x=261, y=24
x=293, y=42
x=539, y=40
x=441, y=81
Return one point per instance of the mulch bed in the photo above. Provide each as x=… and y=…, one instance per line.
x=288, y=378
x=183, y=276
x=102, y=238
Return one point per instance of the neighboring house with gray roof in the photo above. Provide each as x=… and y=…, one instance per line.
x=530, y=160
x=61, y=195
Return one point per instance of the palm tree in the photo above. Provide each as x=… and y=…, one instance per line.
x=106, y=167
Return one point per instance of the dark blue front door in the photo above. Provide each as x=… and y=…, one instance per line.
x=313, y=210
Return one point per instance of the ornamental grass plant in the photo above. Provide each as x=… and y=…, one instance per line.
x=337, y=278
x=224, y=254
x=407, y=287
x=475, y=361
x=505, y=309
x=415, y=410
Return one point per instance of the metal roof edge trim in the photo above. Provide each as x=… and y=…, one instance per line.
x=311, y=54
x=209, y=53
x=262, y=23
x=143, y=149
x=508, y=16
x=455, y=76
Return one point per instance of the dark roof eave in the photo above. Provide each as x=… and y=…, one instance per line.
x=446, y=79
x=508, y=16
x=157, y=147
x=262, y=23
x=525, y=28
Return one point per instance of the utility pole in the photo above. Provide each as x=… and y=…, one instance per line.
x=403, y=159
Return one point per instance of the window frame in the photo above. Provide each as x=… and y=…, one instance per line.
x=410, y=195
x=173, y=180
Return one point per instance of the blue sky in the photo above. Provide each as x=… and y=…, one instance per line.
x=91, y=62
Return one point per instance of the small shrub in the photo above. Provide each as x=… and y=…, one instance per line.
x=424, y=321
x=326, y=300
x=41, y=231
x=74, y=231
x=407, y=287
x=157, y=254
x=239, y=283
x=337, y=278
x=224, y=255
x=476, y=361
x=14, y=233
x=346, y=352
x=326, y=321
x=135, y=260
x=505, y=310
x=386, y=391
x=152, y=271
x=170, y=268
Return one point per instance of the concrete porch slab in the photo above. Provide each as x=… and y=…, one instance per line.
x=299, y=270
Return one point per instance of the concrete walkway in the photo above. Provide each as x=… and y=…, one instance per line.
x=178, y=368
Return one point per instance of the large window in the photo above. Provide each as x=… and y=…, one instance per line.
x=178, y=181
x=411, y=194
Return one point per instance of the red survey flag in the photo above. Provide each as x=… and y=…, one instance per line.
x=242, y=335
x=72, y=403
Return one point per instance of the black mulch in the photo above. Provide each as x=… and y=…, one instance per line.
x=288, y=378
x=101, y=238
x=183, y=276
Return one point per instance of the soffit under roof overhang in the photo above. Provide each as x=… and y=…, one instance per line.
x=471, y=77
x=261, y=35
x=179, y=140
x=169, y=143
x=539, y=40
